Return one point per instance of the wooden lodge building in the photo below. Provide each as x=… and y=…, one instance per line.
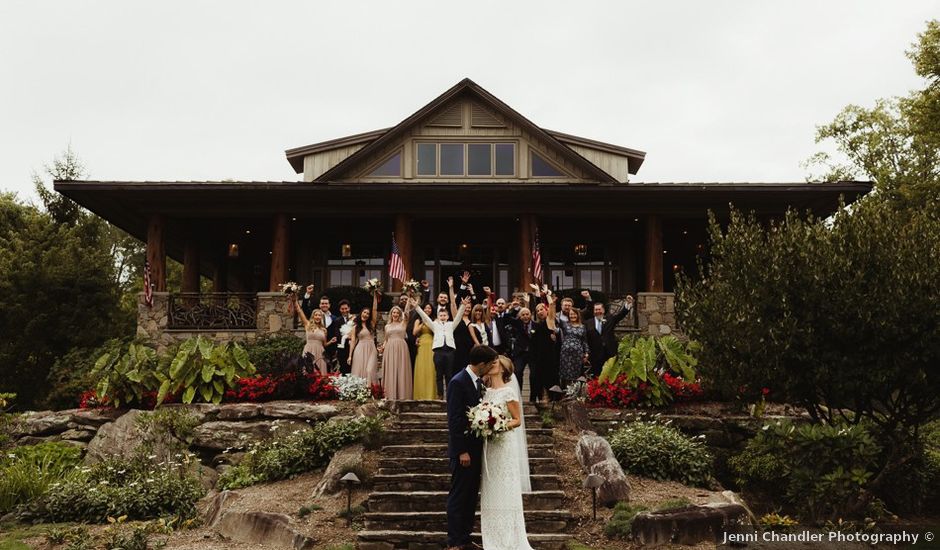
x=466, y=181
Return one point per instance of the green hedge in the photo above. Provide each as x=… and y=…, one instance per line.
x=659, y=451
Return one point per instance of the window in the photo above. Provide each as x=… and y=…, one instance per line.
x=391, y=167
x=465, y=159
x=592, y=279
x=542, y=169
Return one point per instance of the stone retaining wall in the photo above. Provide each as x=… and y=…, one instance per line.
x=656, y=313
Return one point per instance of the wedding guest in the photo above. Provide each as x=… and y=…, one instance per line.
x=462, y=339
x=365, y=356
x=600, y=330
x=346, y=326
x=498, y=319
x=443, y=344
x=574, y=348
x=443, y=304
x=566, y=305
x=396, y=360
x=316, y=335
x=519, y=330
x=424, y=361
x=481, y=333
x=332, y=323
x=307, y=301
x=545, y=343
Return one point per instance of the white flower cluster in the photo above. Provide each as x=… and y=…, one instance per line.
x=488, y=421
x=411, y=286
x=353, y=388
x=372, y=286
x=290, y=287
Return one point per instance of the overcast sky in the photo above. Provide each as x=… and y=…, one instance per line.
x=712, y=91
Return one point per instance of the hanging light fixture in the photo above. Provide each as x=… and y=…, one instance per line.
x=346, y=250
x=580, y=249
x=233, y=250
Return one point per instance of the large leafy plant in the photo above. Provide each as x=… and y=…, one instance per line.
x=640, y=363
x=125, y=376
x=201, y=368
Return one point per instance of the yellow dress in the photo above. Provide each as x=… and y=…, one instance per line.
x=424, y=366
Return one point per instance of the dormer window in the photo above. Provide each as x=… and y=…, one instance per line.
x=461, y=160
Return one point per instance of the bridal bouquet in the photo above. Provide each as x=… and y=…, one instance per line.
x=488, y=421
x=373, y=286
x=289, y=287
x=411, y=287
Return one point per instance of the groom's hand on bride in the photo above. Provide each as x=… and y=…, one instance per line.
x=465, y=460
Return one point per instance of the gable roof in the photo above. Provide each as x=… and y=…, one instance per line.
x=377, y=139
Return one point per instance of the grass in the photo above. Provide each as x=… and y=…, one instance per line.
x=574, y=545
x=672, y=504
x=343, y=546
x=12, y=535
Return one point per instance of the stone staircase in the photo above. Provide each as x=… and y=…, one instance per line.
x=407, y=508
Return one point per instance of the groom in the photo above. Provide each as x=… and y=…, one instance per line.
x=464, y=391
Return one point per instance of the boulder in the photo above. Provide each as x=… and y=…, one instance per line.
x=265, y=528
x=214, y=504
x=345, y=458
x=616, y=487
x=229, y=459
x=239, y=411
x=77, y=435
x=302, y=410
x=94, y=417
x=42, y=423
x=688, y=525
x=120, y=439
x=201, y=411
x=597, y=457
x=369, y=410
x=222, y=434
x=577, y=415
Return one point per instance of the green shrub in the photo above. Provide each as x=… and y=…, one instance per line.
x=817, y=471
x=272, y=354
x=73, y=373
x=201, y=368
x=620, y=525
x=137, y=488
x=655, y=450
x=297, y=452
x=28, y=472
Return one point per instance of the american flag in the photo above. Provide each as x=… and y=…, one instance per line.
x=148, y=290
x=396, y=267
x=536, y=258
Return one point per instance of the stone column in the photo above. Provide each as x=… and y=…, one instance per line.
x=156, y=251
x=526, y=229
x=191, y=264
x=654, y=253
x=280, y=251
x=404, y=240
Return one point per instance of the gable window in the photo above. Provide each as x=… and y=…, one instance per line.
x=477, y=159
x=541, y=168
x=391, y=167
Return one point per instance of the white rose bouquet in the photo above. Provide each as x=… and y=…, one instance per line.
x=489, y=421
x=411, y=287
x=290, y=287
x=373, y=286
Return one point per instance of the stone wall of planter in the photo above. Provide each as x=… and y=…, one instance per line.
x=656, y=313
x=221, y=432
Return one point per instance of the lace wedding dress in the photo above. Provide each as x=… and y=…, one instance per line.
x=502, y=522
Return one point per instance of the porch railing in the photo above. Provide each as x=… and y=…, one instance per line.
x=212, y=311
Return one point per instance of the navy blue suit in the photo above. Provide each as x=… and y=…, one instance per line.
x=462, y=394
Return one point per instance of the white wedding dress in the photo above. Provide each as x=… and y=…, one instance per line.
x=505, y=478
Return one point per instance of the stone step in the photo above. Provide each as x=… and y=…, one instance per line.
x=435, y=501
x=427, y=540
x=534, y=435
x=403, y=465
x=441, y=482
x=536, y=521
x=439, y=450
x=421, y=406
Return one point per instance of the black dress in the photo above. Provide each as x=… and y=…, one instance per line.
x=464, y=343
x=545, y=349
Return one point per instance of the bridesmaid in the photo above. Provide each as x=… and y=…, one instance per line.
x=316, y=333
x=365, y=356
x=463, y=342
x=396, y=358
x=424, y=361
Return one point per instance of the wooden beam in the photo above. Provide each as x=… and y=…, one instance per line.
x=280, y=250
x=526, y=228
x=404, y=240
x=156, y=251
x=190, y=281
x=654, y=254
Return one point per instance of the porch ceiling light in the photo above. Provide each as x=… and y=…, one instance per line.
x=346, y=250
x=580, y=249
x=233, y=250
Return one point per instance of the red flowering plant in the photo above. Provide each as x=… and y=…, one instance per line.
x=378, y=392
x=647, y=372
x=323, y=387
x=89, y=400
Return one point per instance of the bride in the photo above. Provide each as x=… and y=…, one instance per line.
x=505, y=467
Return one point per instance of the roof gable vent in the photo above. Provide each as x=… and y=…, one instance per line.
x=481, y=118
x=451, y=117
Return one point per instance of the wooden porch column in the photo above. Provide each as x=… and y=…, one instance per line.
x=403, y=239
x=280, y=250
x=219, y=284
x=654, y=253
x=526, y=227
x=191, y=264
x=156, y=251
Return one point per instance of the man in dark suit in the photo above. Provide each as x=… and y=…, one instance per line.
x=499, y=319
x=599, y=330
x=443, y=303
x=332, y=322
x=465, y=451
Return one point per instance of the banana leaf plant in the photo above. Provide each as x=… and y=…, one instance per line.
x=642, y=360
x=123, y=378
x=205, y=370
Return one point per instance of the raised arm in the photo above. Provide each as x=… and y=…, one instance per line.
x=458, y=315
x=588, y=310
x=424, y=317
x=624, y=311
x=416, y=328
x=300, y=310
x=453, y=299
x=550, y=319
